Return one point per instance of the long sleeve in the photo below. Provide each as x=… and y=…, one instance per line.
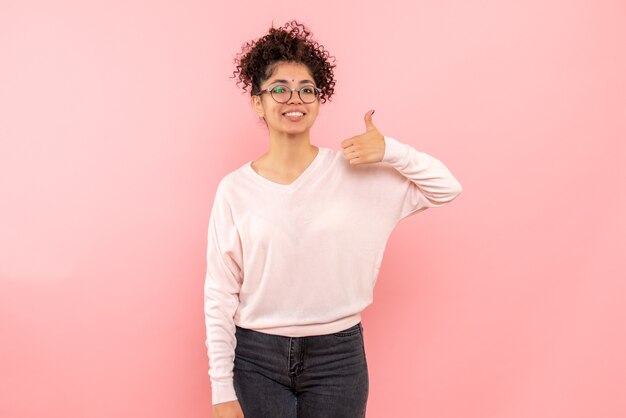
x=221, y=297
x=428, y=182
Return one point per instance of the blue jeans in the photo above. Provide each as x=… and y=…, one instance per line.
x=318, y=376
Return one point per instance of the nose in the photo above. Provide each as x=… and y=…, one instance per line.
x=295, y=97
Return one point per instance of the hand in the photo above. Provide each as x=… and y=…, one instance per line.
x=230, y=409
x=365, y=148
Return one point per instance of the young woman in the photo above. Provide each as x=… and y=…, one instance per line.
x=295, y=243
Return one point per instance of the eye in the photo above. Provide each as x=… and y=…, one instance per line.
x=307, y=90
x=279, y=89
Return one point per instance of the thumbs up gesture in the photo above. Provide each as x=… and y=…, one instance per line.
x=368, y=147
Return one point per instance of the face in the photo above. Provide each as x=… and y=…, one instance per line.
x=295, y=76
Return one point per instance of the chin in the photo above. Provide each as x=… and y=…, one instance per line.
x=295, y=129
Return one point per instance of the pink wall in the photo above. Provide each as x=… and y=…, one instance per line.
x=118, y=118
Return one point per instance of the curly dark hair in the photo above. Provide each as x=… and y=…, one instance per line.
x=290, y=43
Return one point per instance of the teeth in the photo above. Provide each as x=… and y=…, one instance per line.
x=294, y=114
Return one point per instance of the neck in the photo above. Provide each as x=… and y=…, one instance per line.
x=290, y=151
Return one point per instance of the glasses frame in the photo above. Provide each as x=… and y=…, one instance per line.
x=269, y=90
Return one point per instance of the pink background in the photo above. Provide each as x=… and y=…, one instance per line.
x=118, y=118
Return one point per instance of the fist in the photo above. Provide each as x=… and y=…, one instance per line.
x=368, y=147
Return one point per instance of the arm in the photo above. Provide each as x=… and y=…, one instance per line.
x=428, y=182
x=221, y=297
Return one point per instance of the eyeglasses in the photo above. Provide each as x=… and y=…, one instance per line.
x=282, y=94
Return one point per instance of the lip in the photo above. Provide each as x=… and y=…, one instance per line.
x=295, y=118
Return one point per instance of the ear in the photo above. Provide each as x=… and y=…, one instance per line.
x=257, y=104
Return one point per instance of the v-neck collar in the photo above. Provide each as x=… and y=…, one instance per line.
x=294, y=184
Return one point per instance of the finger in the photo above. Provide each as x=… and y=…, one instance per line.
x=347, y=142
x=349, y=153
x=369, y=123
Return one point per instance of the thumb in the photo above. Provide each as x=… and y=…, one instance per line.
x=369, y=124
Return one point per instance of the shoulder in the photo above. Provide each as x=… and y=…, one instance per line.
x=230, y=181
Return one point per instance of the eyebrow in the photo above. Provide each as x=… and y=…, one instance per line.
x=285, y=81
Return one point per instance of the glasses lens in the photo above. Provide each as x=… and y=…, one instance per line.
x=281, y=94
x=308, y=94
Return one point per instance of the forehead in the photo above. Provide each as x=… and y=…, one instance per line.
x=292, y=73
